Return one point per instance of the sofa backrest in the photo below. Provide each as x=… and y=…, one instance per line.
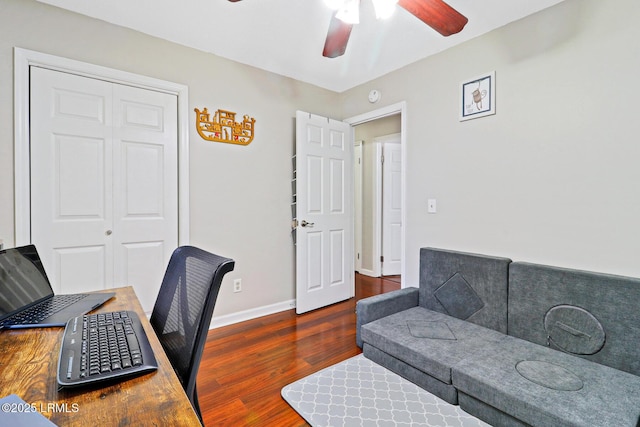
x=468, y=286
x=592, y=315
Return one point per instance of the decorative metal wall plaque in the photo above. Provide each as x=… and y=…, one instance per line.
x=222, y=127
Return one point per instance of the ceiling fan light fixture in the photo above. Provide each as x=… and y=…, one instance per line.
x=384, y=8
x=349, y=12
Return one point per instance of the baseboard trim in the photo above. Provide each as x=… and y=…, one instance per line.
x=369, y=273
x=241, y=316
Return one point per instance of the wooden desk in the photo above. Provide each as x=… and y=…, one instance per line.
x=28, y=362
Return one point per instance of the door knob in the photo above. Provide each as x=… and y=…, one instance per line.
x=304, y=223
x=108, y=233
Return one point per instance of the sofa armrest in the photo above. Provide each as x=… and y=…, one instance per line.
x=379, y=306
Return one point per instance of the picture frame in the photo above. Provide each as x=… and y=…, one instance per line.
x=478, y=97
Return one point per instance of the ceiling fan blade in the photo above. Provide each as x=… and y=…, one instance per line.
x=337, y=38
x=436, y=14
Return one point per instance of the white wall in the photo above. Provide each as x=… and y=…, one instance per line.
x=554, y=176
x=240, y=196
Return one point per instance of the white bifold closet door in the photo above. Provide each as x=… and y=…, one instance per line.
x=104, y=182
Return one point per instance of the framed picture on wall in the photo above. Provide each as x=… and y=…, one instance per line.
x=478, y=97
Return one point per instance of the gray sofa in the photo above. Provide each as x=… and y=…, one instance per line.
x=513, y=343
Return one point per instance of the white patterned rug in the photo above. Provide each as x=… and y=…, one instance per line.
x=359, y=392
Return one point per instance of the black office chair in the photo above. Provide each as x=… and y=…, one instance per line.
x=182, y=312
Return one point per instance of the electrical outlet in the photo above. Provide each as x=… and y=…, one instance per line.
x=237, y=285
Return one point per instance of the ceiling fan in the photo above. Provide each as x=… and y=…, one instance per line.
x=435, y=13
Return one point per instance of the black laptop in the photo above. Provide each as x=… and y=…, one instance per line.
x=26, y=296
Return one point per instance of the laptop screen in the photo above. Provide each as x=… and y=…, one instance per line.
x=23, y=280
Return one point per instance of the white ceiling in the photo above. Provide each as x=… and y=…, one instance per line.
x=287, y=36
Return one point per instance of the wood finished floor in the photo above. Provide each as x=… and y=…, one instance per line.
x=244, y=366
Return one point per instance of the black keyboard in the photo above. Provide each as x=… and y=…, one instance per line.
x=41, y=311
x=104, y=346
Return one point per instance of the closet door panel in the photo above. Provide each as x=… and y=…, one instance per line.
x=71, y=183
x=104, y=174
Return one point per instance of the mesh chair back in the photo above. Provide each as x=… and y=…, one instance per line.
x=183, y=310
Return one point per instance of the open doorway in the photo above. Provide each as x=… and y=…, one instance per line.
x=378, y=193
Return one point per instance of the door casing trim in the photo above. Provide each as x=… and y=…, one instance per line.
x=390, y=110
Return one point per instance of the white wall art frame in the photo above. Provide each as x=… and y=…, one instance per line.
x=478, y=97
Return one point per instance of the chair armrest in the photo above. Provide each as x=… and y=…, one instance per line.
x=379, y=306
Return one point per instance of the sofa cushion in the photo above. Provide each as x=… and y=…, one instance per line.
x=549, y=375
x=446, y=392
x=406, y=337
x=468, y=286
x=381, y=305
x=592, y=315
x=458, y=298
x=434, y=330
x=574, y=330
x=542, y=386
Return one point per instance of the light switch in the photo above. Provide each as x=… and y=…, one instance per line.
x=431, y=206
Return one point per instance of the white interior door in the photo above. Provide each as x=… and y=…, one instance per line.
x=145, y=185
x=71, y=144
x=103, y=182
x=325, y=245
x=392, y=209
